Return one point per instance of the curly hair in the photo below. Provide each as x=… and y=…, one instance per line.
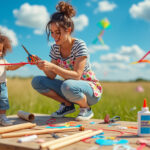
x=6, y=44
x=62, y=17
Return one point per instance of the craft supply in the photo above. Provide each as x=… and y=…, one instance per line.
x=37, y=132
x=25, y=115
x=46, y=144
x=55, y=136
x=108, y=142
x=73, y=140
x=107, y=119
x=144, y=121
x=62, y=127
x=40, y=141
x=27, y=138
x=123, y=147
x=16, y=127
x=122, y=128
x=143, y=141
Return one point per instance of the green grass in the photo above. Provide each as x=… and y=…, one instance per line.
x=117, y=100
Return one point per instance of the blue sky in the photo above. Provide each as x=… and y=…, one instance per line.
x=126, y=41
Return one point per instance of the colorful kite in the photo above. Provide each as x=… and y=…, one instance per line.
x=142, y=60
x=104, y=24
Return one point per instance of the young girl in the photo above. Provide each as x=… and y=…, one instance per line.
x=70, y=60
x=5, y=45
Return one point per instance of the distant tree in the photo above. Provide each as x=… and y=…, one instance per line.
x=140, y=80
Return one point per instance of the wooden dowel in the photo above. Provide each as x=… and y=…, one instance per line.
x=16, y=127
x=73, y=140
x=44, y=131
x=47, y=144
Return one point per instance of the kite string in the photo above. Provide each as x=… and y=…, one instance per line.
x=21, y=63
x=144, y=56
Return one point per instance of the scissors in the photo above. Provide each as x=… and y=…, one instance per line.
x=107, y=119
x=31, y=58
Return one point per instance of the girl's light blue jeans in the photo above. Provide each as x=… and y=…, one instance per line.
x=4, y=104
x=71, y=90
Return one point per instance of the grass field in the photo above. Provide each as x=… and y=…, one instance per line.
x=118, y=99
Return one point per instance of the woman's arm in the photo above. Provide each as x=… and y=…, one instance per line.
x=66, y=74
x=49, y=73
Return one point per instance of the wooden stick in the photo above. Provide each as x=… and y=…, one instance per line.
x=16, y=127
x=73, y=140
x=44, y=131
x=47, y=144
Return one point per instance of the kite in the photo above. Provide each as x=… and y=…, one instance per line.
x=142, y=60
x=31, y=58
x=104, y=24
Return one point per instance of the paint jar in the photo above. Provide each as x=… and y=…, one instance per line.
x=144, y=121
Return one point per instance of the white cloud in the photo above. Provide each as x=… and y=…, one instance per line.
x=105, y=6
x=132, y=51
x=10, y=33
x=98, y=67
x=119, y=66
x=114, y=58
x=95, y=48
x=112, y=71
x=33, y=16
x=141, y=10
x=80, y=22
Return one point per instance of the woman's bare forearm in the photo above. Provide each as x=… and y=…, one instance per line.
x=50, y=74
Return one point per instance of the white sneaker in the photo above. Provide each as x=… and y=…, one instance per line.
x=85, y=114
x=4, y=121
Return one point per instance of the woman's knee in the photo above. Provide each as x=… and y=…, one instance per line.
x=66, y=86
x=70, y=91
x=36, y=82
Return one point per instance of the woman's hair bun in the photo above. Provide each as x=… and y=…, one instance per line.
x=66, y=8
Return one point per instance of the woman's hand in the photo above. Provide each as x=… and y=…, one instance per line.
x=44, y=65
x=33, y=58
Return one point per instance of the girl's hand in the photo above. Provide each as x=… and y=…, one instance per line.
x=15, y=67
x=20, y=65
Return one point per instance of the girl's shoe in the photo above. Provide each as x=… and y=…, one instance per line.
x=5, y=122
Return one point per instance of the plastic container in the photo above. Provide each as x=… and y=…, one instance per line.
x=144, y=121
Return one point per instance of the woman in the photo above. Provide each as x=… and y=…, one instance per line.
x=69, y=59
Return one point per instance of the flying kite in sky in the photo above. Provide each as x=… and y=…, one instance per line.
x=104, y=24
x=142, y=60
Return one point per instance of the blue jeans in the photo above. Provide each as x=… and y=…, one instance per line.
x=4, y=104
x=71, y=90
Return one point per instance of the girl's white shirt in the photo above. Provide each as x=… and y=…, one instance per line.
x=2, y=70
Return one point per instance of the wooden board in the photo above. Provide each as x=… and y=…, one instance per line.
x=42, y=119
